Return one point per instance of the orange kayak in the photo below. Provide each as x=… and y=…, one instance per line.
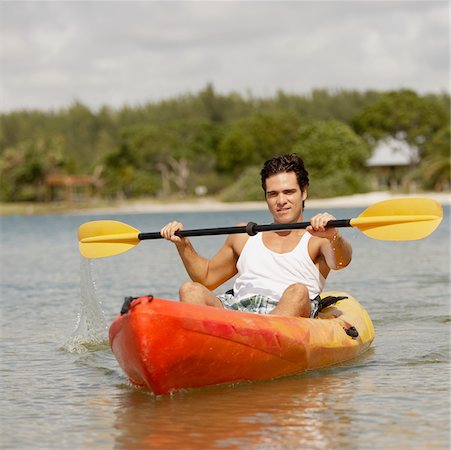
x=165, y=345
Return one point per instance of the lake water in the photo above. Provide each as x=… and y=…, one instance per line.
x=61, y=387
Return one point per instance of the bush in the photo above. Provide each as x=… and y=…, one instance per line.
x=246, y=188
x=334, y=157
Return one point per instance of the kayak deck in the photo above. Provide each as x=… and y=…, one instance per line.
x=164, y=345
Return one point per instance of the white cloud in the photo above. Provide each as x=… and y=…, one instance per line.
x=116, y=52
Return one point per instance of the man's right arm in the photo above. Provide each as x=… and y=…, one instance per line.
x=209, y=272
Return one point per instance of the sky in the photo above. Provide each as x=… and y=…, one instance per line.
x=118, y=53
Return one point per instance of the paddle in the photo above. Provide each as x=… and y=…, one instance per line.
x=401, y=219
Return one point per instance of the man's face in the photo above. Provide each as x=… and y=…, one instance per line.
x=284, y=197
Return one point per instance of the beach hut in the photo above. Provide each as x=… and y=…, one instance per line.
x=390, y=161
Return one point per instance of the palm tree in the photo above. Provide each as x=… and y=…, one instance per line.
x=436, y=165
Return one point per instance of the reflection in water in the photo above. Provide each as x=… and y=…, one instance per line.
x=304, y=411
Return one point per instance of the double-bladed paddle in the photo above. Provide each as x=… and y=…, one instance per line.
x=403, y=219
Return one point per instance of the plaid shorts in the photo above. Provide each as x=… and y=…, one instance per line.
x=259, y=304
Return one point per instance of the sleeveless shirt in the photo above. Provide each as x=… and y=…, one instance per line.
x=264, y=272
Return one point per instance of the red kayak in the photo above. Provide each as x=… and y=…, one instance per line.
x=165, y=345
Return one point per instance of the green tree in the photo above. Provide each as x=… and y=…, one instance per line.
x=81, y=130
x=435, y=166
x=246, y=188
x=334, y=157
x=206, y=138
x=252, y=140
x=23, y=168
x=164, y=155
x=121, y=173
x=404, y=115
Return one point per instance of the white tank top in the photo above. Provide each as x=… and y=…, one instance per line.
x=264, y=272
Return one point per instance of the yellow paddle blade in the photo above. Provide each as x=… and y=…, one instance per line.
x=403, y=219
x=102, y=238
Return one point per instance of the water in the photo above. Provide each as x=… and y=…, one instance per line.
x=62, y=388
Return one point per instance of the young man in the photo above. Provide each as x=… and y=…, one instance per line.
x=280, y=272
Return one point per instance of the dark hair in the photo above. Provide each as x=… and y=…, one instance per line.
x=285, y=163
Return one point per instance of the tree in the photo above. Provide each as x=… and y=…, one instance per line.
x=165, y=155
x=246, y=188
x=81, y=130
x=252, y=140
x=436, y=164
x=23, y=168
x=206, y=138
x=404, y=115
x=334, y=157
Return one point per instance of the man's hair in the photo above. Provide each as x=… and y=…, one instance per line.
x=282, y=164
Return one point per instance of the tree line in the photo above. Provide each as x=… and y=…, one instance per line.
x=215, y=143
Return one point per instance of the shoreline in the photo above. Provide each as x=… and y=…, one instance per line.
x=209, y=205
x=212, y=205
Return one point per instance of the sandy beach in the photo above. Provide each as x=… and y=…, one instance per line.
x=204, y=204
x=351, y=201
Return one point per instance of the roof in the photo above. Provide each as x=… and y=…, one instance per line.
x=393, y=152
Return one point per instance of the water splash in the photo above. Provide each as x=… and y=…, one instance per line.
x=91, y=330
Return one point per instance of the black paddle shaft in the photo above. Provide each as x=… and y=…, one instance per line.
x=251, y=229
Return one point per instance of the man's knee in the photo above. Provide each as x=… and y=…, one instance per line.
x=191, y=292
x=297, y=291
x=298, y=296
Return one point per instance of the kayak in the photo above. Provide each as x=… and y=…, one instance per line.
x=165, y=345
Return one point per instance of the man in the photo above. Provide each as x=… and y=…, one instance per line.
x=280, y=272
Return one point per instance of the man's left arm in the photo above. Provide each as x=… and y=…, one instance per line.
x=336, y=250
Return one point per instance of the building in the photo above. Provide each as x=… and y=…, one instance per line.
x=70, y=188
x=390, y=162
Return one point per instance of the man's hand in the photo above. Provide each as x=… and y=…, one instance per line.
x=169, y=230
x=318, y=228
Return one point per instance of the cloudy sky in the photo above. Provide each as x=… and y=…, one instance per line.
x=123, y=52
